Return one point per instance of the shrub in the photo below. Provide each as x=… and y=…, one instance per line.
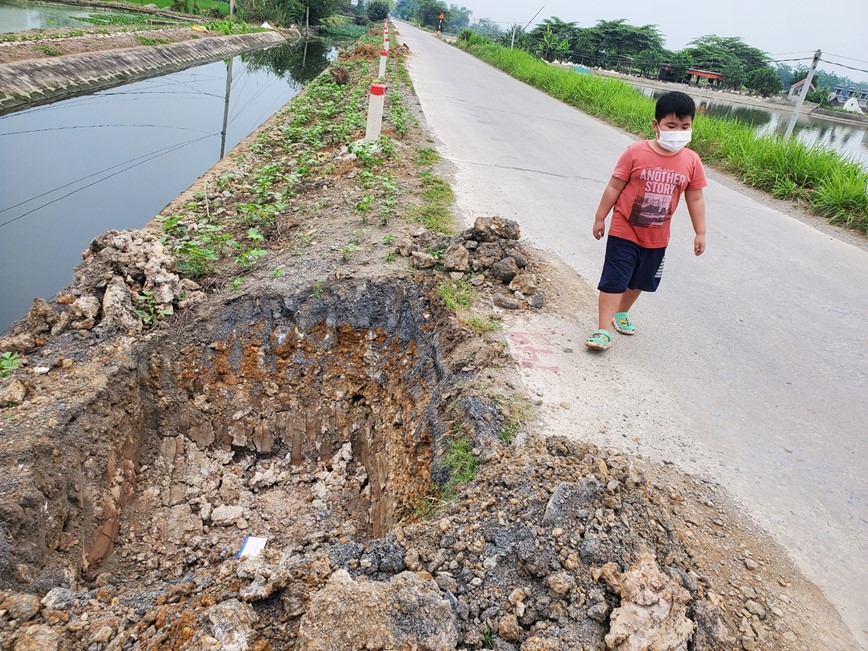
x=378, y=10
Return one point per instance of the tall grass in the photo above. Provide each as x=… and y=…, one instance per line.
x=825, y=181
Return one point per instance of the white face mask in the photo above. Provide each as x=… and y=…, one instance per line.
x=674, y=141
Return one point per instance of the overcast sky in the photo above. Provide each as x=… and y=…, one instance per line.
x=776, y=26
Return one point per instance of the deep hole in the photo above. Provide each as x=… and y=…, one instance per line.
x=287, y=418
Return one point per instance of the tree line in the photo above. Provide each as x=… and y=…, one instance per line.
x=616, y=44
x=611, y=44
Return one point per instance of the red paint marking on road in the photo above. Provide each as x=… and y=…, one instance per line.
x=529, y=354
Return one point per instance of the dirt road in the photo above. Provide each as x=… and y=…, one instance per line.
x=750, y=366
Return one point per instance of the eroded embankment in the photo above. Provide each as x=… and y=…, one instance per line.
x=319, y=421
x=39, y=81
x=354, y=372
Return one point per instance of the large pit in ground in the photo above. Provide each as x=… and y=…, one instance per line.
x=285, y=416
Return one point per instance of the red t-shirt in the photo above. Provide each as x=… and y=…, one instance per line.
x=655, y=183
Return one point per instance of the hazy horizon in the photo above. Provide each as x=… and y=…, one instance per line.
x=839, y=30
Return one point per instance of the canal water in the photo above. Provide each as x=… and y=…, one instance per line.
x=851, y=140
x=69, y=171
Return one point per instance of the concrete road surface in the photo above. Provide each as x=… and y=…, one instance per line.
x=750, y=365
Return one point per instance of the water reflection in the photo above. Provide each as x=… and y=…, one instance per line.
x=73, y=169
x=298, y=64
x=851, y=140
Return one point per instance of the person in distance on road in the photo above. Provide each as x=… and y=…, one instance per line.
x=644, y=191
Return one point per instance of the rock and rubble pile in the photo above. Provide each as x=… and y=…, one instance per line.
x=126, y=280
x=555, y=546
x=489, y=252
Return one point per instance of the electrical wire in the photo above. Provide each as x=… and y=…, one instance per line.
x=68, y=194
x=832, y=63
x=84, y=178
x=102, y=126
x=840, y=56
x=785, y=60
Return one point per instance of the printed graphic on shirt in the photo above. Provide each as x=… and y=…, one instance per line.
x=651, y=205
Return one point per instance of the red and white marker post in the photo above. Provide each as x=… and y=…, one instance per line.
x=376, y=102
x=386, y=43
x=384, y=56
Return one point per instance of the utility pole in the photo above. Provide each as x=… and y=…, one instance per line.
x=226, y=109
x=512, y=45
x=231, y=9
x=801, y=101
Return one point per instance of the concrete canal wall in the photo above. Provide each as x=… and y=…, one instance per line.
x=38, y=81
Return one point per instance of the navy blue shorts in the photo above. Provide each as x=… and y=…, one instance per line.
x=630, y=266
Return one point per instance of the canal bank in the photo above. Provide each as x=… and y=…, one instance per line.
x=34, y=82
x=770, y=104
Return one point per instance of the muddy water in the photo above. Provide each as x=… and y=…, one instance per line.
x=71, y=170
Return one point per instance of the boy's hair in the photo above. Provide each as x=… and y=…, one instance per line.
x=681, y=104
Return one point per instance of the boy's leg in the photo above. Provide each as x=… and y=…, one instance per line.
x=607, y=306
x=627, y=299
x=622, y=257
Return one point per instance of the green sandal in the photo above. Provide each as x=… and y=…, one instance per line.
x=623, y=324
x=600, y=340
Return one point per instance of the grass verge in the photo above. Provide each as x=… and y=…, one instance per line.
x=826, y=182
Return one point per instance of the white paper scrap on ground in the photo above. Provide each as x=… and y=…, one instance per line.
x=252, y=546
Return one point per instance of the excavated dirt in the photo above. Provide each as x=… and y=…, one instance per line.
x=328, y=403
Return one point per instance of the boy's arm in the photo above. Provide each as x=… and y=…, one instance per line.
x=607, y=202
x=696, y=207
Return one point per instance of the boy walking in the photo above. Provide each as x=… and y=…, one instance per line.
x=644, y=191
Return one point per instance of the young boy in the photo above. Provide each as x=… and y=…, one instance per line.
x=644, y=190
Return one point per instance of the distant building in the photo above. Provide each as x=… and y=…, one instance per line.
x=712, y=79
x=796, y=89
x=841, y=94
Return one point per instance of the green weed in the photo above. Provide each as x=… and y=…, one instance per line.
x=461, y=463
x=9, y=362
x=365, y=206
x=348, y=250
x=147, y=310
x=456, y=295
x=399, y=116
x=427, y=156
x=49, y=50
x=144, y=40
x=481, y=324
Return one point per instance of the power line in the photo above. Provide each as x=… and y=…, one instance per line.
x=68, y=194
x=783, y=54
x=848, y=58
x=785, y=60
x=101, y=126
x=843, y=66
x=84, y=178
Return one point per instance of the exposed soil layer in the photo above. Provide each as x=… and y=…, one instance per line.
x=329, y=402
